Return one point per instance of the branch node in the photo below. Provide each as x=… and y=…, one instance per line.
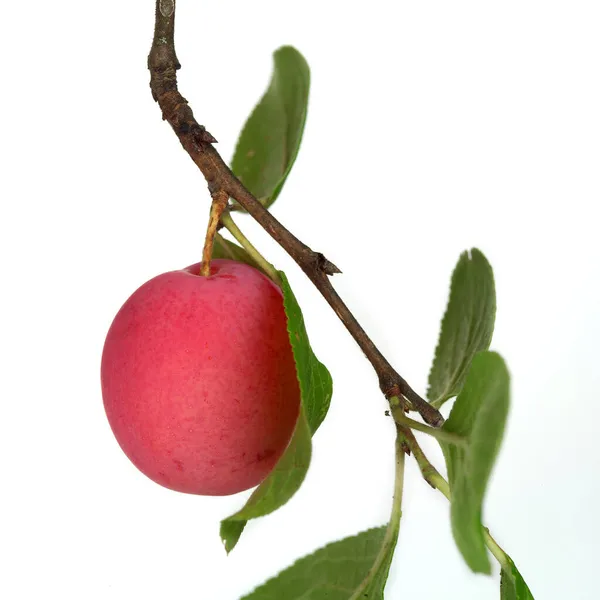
x=326, y=265
x=204, y=136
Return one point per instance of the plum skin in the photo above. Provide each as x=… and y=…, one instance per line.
x=199, y=380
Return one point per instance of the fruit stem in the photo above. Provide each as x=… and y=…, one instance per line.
x=235, y=231
x=219, y=203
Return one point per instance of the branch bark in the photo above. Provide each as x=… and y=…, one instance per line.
x=198, y=143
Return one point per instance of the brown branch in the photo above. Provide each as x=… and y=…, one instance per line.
x=163, y=65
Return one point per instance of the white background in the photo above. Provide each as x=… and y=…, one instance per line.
x=433, y=127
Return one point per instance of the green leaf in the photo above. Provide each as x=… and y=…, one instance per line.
x=316, y=390
x=281, y=484
x=512, y=584
x=270, y=139
x=316, y=386
x=331, y=573
x=479, y=415
x=467, y=326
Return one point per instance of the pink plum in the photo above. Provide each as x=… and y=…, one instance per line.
x=199, y=380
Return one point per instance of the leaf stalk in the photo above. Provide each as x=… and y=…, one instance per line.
x=236, y=232
x=439, y=434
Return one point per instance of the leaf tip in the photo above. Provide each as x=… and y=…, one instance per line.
x=230, y=533
x=288, y=49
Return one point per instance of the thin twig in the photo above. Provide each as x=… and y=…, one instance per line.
x=163, y=65
x=393, y=529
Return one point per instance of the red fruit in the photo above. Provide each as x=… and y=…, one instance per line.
x=199, y=380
